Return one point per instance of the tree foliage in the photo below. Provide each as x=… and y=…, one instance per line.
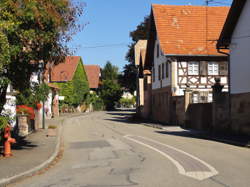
x=128, y=78
x=111, y=91
x=33, y=31
x=31, y=96
x=109, y=72
x=140, y=33
x=77, y=89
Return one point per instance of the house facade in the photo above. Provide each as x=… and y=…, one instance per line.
x=70, y=77
x=181, y=54
x=235, y=41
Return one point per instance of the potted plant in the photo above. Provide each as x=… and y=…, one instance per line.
x=51, y=130
x=24, y=113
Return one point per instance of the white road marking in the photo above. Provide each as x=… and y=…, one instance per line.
x=199, y=175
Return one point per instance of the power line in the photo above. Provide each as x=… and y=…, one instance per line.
x=106, y=45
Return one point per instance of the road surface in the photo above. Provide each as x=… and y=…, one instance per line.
x=102, y=149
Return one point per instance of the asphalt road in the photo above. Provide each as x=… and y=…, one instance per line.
x=104, y=150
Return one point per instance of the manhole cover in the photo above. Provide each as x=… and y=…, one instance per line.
x=90, y=144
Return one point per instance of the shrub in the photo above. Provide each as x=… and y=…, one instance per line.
x=127, y=102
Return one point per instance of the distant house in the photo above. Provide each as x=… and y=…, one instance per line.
x=93, y=74
x=181, y=53
x=235, y=40
x=71, y=78
x=143, y=100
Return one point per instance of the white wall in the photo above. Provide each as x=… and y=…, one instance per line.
x=240, y=53
x=158, y=61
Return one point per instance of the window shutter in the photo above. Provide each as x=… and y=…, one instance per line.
x=223, y=68
x=203, y=68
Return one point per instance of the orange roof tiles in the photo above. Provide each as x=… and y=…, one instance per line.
x=65, y=71
x=93, y=74
x=189, y=30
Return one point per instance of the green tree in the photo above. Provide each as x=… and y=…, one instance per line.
x=110, y=91
x=109, y=72
x=33, y=31
x=128, y=78
x=140, y=33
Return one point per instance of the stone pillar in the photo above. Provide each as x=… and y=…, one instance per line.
x=55, y=106
x=187, y=97
x=23, y=126
x=221, y=118
x=217, y=90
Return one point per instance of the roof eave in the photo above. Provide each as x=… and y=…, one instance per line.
x=230, y=24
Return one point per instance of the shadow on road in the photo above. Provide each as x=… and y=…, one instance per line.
x=228, y=139
x=22, y=143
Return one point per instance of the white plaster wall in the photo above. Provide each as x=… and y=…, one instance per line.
x=240, y=53
x=158, y=61
x=180, y=91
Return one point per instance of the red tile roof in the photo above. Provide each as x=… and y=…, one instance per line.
x=65, y=71
x=93, y=74
x=189, y=30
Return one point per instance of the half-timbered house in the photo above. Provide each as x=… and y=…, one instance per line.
x=181, y=53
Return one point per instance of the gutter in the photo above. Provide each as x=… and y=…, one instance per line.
x=229, y=81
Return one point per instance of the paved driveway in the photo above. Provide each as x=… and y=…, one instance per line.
x=104, y=150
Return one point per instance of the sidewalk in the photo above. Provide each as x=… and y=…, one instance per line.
x=243, y=141
x=31, y=154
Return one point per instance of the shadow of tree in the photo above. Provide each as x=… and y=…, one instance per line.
x=22, y=143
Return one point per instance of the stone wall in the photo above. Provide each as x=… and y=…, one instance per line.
x=199, y=116
x=221, y=113
x=240, y=113
x=180, y=109
x=161, y=105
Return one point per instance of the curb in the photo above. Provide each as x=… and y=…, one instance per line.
x=45, y=164
x=152, y=125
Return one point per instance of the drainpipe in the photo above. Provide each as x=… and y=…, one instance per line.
x=229, y=81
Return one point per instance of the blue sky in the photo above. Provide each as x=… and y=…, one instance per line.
x=109, y=23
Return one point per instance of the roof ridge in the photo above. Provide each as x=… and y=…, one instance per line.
x=153, y=4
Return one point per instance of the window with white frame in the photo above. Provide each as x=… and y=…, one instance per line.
x=193, y=68
x=213, y=68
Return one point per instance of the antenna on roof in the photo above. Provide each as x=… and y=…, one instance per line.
x=207, y=2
